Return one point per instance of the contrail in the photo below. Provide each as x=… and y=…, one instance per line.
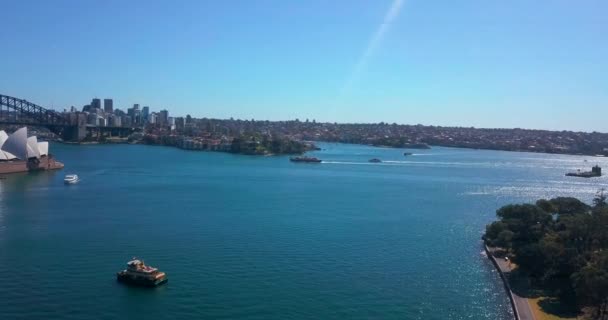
x=373, y=44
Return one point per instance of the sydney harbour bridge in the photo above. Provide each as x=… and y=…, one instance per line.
x=68, y=126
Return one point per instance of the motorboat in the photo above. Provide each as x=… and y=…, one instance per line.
x=137, y=273
x=71, y=179
x=305, y=159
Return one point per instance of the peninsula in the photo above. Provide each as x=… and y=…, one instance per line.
x=555, y=254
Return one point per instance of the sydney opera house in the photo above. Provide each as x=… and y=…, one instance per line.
x=18, y=153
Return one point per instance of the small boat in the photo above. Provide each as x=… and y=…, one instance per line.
x=71, y=179
x=137, y=273
x=407, y=154
x=305, y=159
x=375, y=160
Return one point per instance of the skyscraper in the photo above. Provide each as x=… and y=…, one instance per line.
x=145, y=114
x=163, y=117
x=96, y=103
x=108, y=105
x=152, y=117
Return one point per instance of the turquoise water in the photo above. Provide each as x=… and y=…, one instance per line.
x=244, y=237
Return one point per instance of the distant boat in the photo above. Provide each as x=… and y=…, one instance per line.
x=407, y=154
x=137, y=273
x=71, y=179
x=375, y=160
x=305, y=159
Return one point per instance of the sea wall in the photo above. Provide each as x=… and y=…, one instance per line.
x=505, y=281
x=16, y=166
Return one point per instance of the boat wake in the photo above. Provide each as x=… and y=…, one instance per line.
x=348, y=162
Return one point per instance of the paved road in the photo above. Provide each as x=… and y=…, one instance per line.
x=521, y=303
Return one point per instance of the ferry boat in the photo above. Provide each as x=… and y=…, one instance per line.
x=137, y=273
x=375, y=160
x=71, y=179
x=305, y=159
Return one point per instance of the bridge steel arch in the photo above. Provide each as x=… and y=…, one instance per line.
x=22, y=112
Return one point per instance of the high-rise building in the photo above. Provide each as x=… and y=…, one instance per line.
x=137, y=116
x=108, y=105
x=126, y=121
x=96, y=103
x=163, y=117
x=152, y=118
x=92, y=119
x=171, y=123
x=180, y=123
x=113, y=120
x=145, y=114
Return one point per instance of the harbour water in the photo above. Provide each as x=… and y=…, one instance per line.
x=246, y=237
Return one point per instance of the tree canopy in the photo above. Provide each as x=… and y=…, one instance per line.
x=560, y=238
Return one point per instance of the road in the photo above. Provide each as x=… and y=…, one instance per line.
x=522, y=304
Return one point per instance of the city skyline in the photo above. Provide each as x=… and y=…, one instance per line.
x=528, y=65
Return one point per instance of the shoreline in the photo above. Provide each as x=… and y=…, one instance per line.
x=505, y=282
x=370, y=145
x=520, y=305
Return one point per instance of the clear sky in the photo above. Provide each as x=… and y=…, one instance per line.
x=518, y=63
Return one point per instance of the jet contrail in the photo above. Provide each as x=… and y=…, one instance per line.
x=373, y=44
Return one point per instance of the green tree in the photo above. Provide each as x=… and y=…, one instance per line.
x=599, y=201
x=569, y=205
x=591, y=285
x=527, y=222
x=492, y=231
x=531, y=260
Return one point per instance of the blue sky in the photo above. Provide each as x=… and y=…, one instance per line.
x=518, y=63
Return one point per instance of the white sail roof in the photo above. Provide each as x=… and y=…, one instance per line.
x=16, y=144
x=3, y=137
x=43, y=147
x=3, y=154
x=32, y=147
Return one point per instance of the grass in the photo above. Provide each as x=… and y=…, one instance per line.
x=545, y=308
x=545, y=302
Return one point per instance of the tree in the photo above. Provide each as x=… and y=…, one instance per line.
x=561, y=239
x=531, y=260
x=591, y=285
x=492, y=232
x=600, y=199
x=527, y=222
x=569, y=205
x=546, y=205
x=504, y=239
